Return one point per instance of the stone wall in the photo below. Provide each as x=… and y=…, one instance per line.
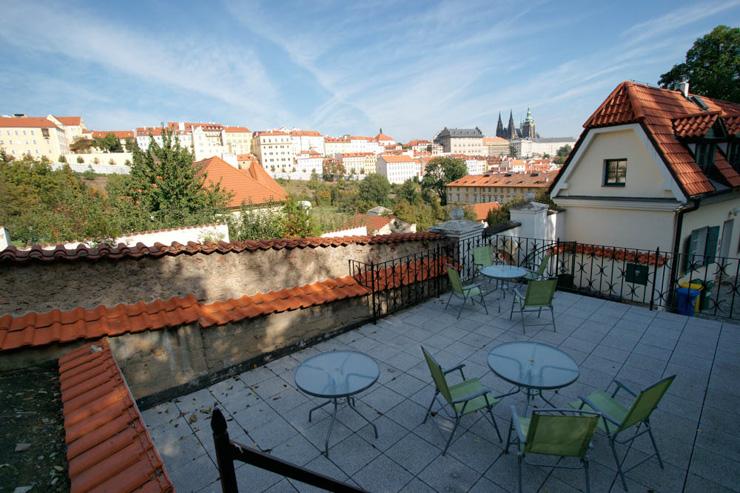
x=62, y=284
x=164, y=363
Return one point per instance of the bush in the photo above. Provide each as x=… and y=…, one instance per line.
x=80, y=160
x=62, y=159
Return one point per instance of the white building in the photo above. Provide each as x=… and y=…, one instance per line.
x=526, y=148
x=307, y=141
x=35, y=136
x=476, y=165
x=358, y=165
x=655, y=168
x=275, y=151
x=237, y=140
x=144, y=135
x=398, y=168
x=73, y=126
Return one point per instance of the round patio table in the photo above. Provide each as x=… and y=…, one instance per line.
x=505, y=273
x=337, y=375
x=533, y=367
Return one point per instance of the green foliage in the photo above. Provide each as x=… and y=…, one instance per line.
x=712, y=65
x=333, y=169
x=166, y=189
x=439, y=172
x=290, y=221
x=62, y=159
x=109, y=143
x=410, y=191
x=130, y=145
x=373, y=190
x=80, y=160
x=543, y=197
x=562, y=154
x=40, y=205
x=502, y=215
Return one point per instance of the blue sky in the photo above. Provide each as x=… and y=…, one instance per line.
x=410, y=67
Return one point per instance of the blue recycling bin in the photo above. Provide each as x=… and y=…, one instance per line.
x=686, y=300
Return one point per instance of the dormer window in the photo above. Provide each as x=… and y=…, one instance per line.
x=704, y=155
x=615, y=172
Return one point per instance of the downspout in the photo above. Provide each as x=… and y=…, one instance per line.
x=677, y=234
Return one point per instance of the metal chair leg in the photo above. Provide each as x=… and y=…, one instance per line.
x=619, y=464
x=508, y=437
x=483, y=302
x=585, y=472
x=448, y=301
x=429, y=409
x=495, y=426
x=519, y=472
x=449, y=440
x=552, y=314
x=462, y=307
x=655, y=446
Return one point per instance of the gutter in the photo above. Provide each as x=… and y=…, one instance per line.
x=677, y=233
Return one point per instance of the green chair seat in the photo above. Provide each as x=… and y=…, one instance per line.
x=607, y=405
x=538, y=295
x=470, y=387
x=467, y=292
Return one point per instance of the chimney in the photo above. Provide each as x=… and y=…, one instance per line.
x=683, y=86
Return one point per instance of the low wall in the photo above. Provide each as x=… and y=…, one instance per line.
x=41, y=286
x=165, y=363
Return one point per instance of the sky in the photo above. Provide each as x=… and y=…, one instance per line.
x=408, y=67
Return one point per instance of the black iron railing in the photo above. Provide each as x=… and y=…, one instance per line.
x=227, y=452
x=689, y=284
x=404, y=281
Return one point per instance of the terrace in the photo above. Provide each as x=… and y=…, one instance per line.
x=695, y=426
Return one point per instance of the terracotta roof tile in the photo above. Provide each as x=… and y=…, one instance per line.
x=108, y=446
x=250, y=186
x=481, y=209
x=82, y=252
x=667, y=116
x=69, y=120
x=517, y=180
x=26, y=122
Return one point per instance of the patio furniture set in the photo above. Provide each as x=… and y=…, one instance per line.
x=531, y=367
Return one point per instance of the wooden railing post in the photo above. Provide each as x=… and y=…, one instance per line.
x=224, y=458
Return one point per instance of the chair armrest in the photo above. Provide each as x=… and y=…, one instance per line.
x=455, y=368
x=470, y=286
x=517, y=426
x=517, y=294
x=620, y=385
x=593, y=406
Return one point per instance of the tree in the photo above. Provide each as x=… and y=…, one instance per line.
x=109, y=143
x=439, y=172
x=333, y=169
x=80, y=160
x=168, y=188
x=129, y=145
x=712, y=65
x=410, y=191
x=562, y=154
x=297, y=220
x=373, y=190
x=62, y=159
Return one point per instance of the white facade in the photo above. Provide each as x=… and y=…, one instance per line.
x=34, y=136
x=275, y=151
x=307, y=141
x=397, y=169
x=525, y=148
x=358, y=165
x=476, y=166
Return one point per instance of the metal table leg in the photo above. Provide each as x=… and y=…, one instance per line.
x=331, y=426
x=310, y=413
x=351, y=403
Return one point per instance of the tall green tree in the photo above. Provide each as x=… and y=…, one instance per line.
x=167, y=189
x=439, y=172
x=109, y=143
x=562, y=154
x=373, y=190
x=712, y=65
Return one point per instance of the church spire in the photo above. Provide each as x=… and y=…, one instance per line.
x=511, y=129
x=500, y=127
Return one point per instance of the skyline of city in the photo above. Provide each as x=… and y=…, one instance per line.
x=340, y=74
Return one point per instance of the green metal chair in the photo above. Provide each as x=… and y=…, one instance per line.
x=539, y=272
x=463, y=398
x=556, y=432
x=470, y=292
x=539, y=295
x=482, y=257
x=618, y=419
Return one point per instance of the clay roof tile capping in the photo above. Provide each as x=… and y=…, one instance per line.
x=248, y=187
x=108, y=446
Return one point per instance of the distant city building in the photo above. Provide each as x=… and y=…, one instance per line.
x=468, y=141
x=496, y=146
x=123, y=136
x=35, y=136
x=251, y=187
x=526, y=130
x=499, y=187
x=398, y=168
x=307, y=141
x=526, y=148
x=275, y=150
x=73, y=126
x=357, y=165
x=307, y=165
x=144, y=135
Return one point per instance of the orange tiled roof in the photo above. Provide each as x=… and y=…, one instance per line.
x=662, y=112
x=494, y=140
x=611, y=253
x=25, y=122
x=305, y=133
x=418, y=142
x=533, y=180
x=732, y=124
x=381, y=136
x=481, y=209
x=69, y=120
x=121, y=134
x=726, y=169
x=236, y=129
x=250, y=186
x=121, y=251
x=696, y=125
x=398, y=158
x=108, y=447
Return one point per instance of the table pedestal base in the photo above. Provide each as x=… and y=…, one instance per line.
x=335, y=402
x=531, y=393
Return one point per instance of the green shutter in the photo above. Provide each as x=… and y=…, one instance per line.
x=710, y=251
x=693, y=248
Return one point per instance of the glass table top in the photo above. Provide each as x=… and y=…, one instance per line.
x=503, y=272
x=533, y=365
x=336, y=374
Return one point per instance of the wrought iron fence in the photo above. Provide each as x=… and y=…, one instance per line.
x=404, y=281
x=705, y=285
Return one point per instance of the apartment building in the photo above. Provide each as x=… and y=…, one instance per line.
x=144, y=136
x=35, y=136
x=468, y=141
x=398, y=168
x=307, y=141
x=307, y=165
x=237, y=140
x=357, y=165
x=498, y=187
x=656, y=168
x=275, y=151
x=73, y=126
x=496, y=146
x=527, y=148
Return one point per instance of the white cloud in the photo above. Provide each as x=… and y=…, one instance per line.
x=229, y=74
